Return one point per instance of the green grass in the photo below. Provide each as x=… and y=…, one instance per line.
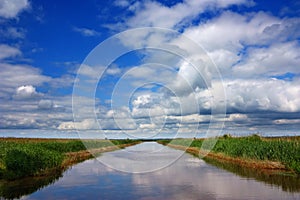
x=27, y=157
x=284, y=150
x=20, y=162
x=120, y=142
x=19, y=158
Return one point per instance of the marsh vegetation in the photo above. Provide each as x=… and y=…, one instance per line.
x=283, y=150
x=30, y=157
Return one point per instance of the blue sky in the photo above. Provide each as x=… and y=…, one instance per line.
x=245, y=77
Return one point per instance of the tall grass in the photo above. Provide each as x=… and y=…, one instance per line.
x=19, y=159
x=21, y=162
x=22, y=157
x=286, y=151
x=253, y=147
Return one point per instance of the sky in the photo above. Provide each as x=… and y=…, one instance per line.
x=147, y=68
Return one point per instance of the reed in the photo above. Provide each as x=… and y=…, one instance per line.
x=29, y=157
x=283, y=150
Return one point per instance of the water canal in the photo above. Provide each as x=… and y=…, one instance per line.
x=153, y=171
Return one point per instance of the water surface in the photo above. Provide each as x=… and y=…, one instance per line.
x=186, y=178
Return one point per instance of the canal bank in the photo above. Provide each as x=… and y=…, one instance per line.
x=267, y=154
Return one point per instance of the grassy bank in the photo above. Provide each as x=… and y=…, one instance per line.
x=252, y=151
x=30, y=157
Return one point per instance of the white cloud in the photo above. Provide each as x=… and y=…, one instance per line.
x=83, y=107
x=287, y=121
x=231, y=31
x=118, y=118
x=248, y=48
x=147, y=74
x=26, y=114
x=21, y=105
x=13, y=76
x=86, y=32
x=19, y=121
x=64, y=81
x=45, y=104
x=86, y=124
x=152, y=13
x=277, y=59
x=93, y=72
x=244, y=46
x=26, y=92
x=149, y=105
x=242, y=96
x=254, y=95
x=141, y=72
x=66, y=126
x=237, y=117
x=224, y=59
x=254, y=43
x=12, y=32
x=113, y=70
x=142, y=100
x=122, y=3
x=189, y=78
x=8, y=51
x=12, y=8
x=147, y=126
x=190, y=119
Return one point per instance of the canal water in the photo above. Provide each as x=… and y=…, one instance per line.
x=153, y=171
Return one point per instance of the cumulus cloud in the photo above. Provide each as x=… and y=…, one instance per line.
x=253, y=51
x=248, y=48
x=152, y=13
x=66, y=126
x=46, y=113
x=188, y=79
x=12, y=8
x=277, y=59
x=248, y=41
x=237, y=117
x=21, y=103
x=261, y=46
x=271, y=94
x=113, y=71
x=26, y=92
x=227, y=31
x=14, y=76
